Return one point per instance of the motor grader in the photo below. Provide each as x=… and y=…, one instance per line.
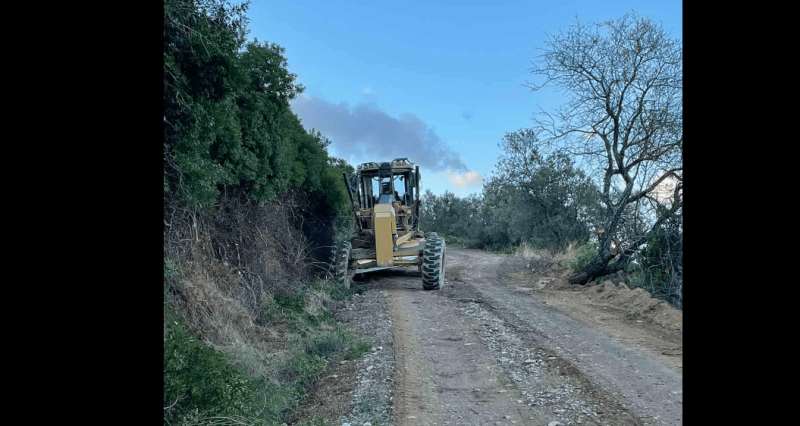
x=386, y=210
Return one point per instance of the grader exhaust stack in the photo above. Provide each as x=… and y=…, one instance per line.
x=387, y=235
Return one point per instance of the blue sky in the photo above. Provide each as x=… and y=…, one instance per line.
x=443, y=79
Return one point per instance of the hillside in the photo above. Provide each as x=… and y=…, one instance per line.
x=245, y=292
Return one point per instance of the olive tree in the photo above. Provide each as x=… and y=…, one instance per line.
x=622, y=123
x=551, y=201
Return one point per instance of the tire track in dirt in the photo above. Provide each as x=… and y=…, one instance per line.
x=444, y=375
x=415, y=400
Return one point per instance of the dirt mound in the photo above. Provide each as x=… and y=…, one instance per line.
x=638, y=303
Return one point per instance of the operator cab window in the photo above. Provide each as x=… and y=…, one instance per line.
x=386, y=196
x=400, y=189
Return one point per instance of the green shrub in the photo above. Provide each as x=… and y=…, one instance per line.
x=358, y=349
x=307, y=366
x=205, y=383
x=340, y=292
x=296, y=304
x=270, y=311
x=198, y=382
x=506, y=250
x=586, y=253
x=170, y=268
x=279, y=309
x=324, y=317
x=277, y=398
x=454, y=241
x=325, y=344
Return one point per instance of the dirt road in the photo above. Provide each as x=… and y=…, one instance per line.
x=506, y=341
x=488, y=349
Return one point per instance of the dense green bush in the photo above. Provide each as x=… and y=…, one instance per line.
x=198, y=382
x=228, y=127
x=227, y=120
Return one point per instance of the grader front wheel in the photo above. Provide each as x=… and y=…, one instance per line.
x=341, y=263
x=433, y=264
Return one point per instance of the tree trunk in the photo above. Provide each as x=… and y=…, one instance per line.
x=599, y=266
x=592, y=270
x=598, y=269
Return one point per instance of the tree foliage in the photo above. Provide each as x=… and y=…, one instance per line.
x=623, y=122
x=545, y=202
x=227, y=120
x=228, y=127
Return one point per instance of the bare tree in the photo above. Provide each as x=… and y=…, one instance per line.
x=623, y=123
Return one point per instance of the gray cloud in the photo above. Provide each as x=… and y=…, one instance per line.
x=369, y=133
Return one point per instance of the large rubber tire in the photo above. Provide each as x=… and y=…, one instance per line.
x=341, y=262
x=433, y=264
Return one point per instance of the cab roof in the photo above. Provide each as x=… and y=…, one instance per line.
x=397, y=163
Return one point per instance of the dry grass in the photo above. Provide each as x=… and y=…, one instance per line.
x=527, y=252
x=568, y=252
x=213, y=300
x=209, y=308
x=224, y=261
x=206, y=305
x=233, y=276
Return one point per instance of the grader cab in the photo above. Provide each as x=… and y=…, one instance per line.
x=386, y=211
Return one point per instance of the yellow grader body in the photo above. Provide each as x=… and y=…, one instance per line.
x=386, y=211
x=385, y=230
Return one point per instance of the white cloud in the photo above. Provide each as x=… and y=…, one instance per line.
x=465, y=179
x=665, y=191
x=366, y=90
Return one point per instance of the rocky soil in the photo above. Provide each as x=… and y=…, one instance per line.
x=506, y=341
